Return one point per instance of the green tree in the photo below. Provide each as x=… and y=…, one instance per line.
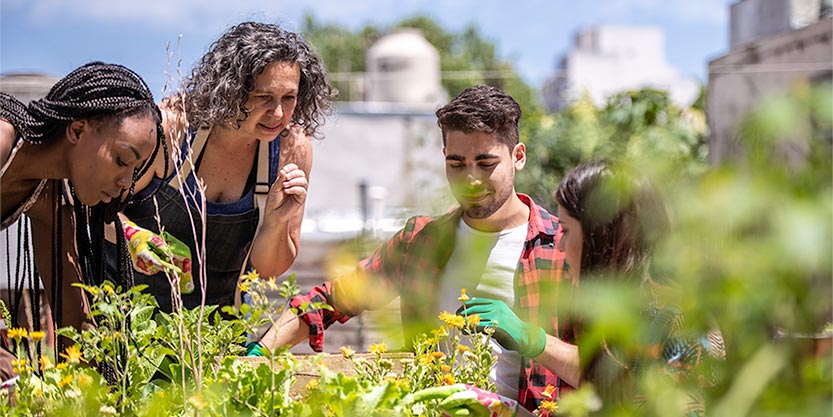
x=466, y=58
x=643, y=126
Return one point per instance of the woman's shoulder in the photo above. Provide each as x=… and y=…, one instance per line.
x=8, y=137
x=296, y=147
x=174, y=121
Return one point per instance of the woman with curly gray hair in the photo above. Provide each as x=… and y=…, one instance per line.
x=243, y=125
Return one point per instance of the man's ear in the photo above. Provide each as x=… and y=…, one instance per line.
x=519, y=156
x=75, y=129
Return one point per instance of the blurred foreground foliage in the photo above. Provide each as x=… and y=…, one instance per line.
x=749, y=253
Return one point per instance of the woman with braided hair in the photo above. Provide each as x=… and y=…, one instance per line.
x=69, y=161
x=242, y=126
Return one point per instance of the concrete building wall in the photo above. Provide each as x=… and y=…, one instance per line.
x=753, y=19
x=754, y=70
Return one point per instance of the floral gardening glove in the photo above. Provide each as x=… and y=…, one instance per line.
x=468, y=400
x=510, y=331
x=151, y=254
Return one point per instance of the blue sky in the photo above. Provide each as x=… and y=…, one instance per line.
x=55, y=36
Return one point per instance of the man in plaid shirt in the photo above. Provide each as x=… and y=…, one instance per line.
x=498, y=244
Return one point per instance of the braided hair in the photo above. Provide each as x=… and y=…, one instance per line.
x=100, y=92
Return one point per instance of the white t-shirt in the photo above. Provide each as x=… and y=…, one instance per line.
x=484, y=264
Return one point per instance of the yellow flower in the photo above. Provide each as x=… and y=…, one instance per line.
x=379, y=348
x=108, y=289
x=548, y=392
x=441, y=332
x=61, y=366
x=272, y=284
x=84, y=380
x=93, y=290
x=197, y=401
x=452, y=320
x=473, y=320
x=445, y=368
x=38, y=392
x=548, y=406
x=65, y=381
x=347, y=351
x=36, y=335
x=425, y=359
x=73, y=354
x=18, y=333
x=45, y=362
x=463, y=348
x=312, y=384
x=437, y=355
x=252, y=275
x=463, y=297
x=244, y=286
x=19, y=365
x=448, y=380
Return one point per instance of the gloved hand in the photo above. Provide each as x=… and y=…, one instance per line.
x=510, y=331
x=152, y=253
x=468, y=400
x=254, y=349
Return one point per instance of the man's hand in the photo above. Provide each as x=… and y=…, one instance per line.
x=510, y=331
x=467, y=400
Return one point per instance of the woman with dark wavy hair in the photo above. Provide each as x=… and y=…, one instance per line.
x=69, y=161
x=242, y=126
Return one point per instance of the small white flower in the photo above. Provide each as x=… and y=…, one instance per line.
x=107, y=410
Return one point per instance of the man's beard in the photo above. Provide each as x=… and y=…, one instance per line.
x=490, y=206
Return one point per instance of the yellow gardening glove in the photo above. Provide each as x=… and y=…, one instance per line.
x=152, y=254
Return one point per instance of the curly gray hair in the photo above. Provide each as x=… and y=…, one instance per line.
x=218, y=86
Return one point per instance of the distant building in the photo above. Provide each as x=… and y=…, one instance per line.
x=381, y=156
x=26, y=86
x=606, y=60
x=774, y=43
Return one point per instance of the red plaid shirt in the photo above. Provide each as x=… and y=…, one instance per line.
x=411, y=264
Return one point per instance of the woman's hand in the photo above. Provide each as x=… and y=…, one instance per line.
x=287, y=195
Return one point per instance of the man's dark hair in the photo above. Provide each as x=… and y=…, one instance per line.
x=484, y=109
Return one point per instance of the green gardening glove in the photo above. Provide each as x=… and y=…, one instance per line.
x=253, y=349
x=460, y=400
x=510, y=331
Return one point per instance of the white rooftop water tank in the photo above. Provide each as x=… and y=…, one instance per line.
x=403, y=67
